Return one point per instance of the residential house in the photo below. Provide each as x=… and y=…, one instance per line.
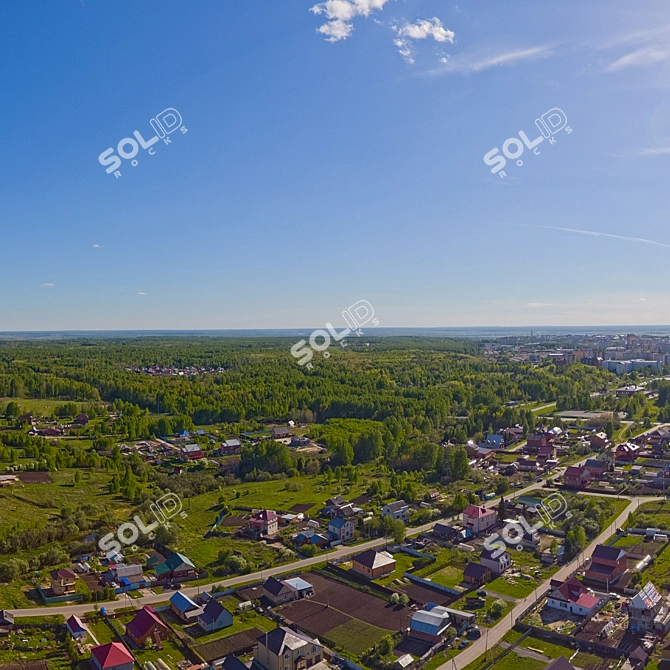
x=598, y=441
x=299, y=441
x=628, y=391
x=280, y=433
x=478, y=519
x=571, y=596
x=230, y=447
x=177, y=566
x=280, y=591
x=537, y=440
x=230, y=662
x=63, y=581
x=444, y=531
x=493, y=442
x=576, y=477
x=546, y=453
x=476, y=573
x=606, y=565
x=341, y=529
x=596, y=468
x=264, y=524
x=525, y=464
x=627, y=453
x=511, y=469
x=497, y=565
x=659, y=437
x=286, y=649
x=26, y=418
x=81, y=420
x=397, y=510
x=373, y=563
x=76, y=628
x=146, y=625
x=50, y=432
x=560, y=663
x=191, y=452
x=430, y=625
x=214, y=617
x=185, y=608
x=154, y=558
x=649, y=612
x=111, y=656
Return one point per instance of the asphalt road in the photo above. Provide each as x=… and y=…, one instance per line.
x=192, y=591
x=495, y=634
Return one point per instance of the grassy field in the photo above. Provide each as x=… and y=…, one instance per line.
x=482, y=612
x=356, y=636
x=510, y=662
x=101, y=630
x=450, y=576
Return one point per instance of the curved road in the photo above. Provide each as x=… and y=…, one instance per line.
x=192, y=591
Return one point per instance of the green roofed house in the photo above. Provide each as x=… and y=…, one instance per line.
x=177, y=566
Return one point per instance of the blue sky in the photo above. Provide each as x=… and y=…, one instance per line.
x=334, y=153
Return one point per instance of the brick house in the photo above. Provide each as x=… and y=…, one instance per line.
x=606, y=565
x=478, y=519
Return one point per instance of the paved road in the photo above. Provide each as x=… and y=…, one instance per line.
x=192, y=591
x=496, y=633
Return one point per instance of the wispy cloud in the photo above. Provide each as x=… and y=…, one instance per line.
x=141, y=293
x=641, y=58
x=488, y=56
x=340, y=15
x=596, y=233
x=47, y=285
x=97, y=246
x=659, y=151
x=420, y=30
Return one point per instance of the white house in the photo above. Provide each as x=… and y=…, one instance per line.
x=214, y=617
x=341, y=529
x=571, y=596
x=478, y=519
x=397, y=510
x=497, y=565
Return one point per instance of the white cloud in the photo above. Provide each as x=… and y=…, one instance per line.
x=97, y=246
x=660, y=151
x=340, y=15
x=640, y=58
x=487, y=57
x=141, y=293
x=421, y=30
x=47, y=285
x=595, y=233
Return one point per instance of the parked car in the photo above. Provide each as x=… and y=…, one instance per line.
x=481, y=593
x=463, y=644
x=473, y=634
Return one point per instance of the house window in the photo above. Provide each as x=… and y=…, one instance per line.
x=287, y=655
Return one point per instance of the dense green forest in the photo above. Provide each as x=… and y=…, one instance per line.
x=437, y=387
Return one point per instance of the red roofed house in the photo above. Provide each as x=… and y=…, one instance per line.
x=145, y=625
x=81, y=420
x=111, y=656
x=606, y=565
x=264, y=523
x=571, y=596
x=478, y=519
x=534, y=442
x=576, y=477
x=598, y=440
x=627, y=453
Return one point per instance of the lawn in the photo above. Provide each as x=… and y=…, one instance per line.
x=449, y=576
x=516, y=588
x=171, y=654
x=12, y=596
x=356, y=636
x=101, y=630
x=658, y=571
x=509, y=662
x=439, y=659
x=628, y=541
x=482, y=612
x=403, y=562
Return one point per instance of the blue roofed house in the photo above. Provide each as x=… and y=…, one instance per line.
x=493, y=442
x=430, y=625
x=341, y=529
x=184, y=607
x=76, y=628
x=214, y=617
